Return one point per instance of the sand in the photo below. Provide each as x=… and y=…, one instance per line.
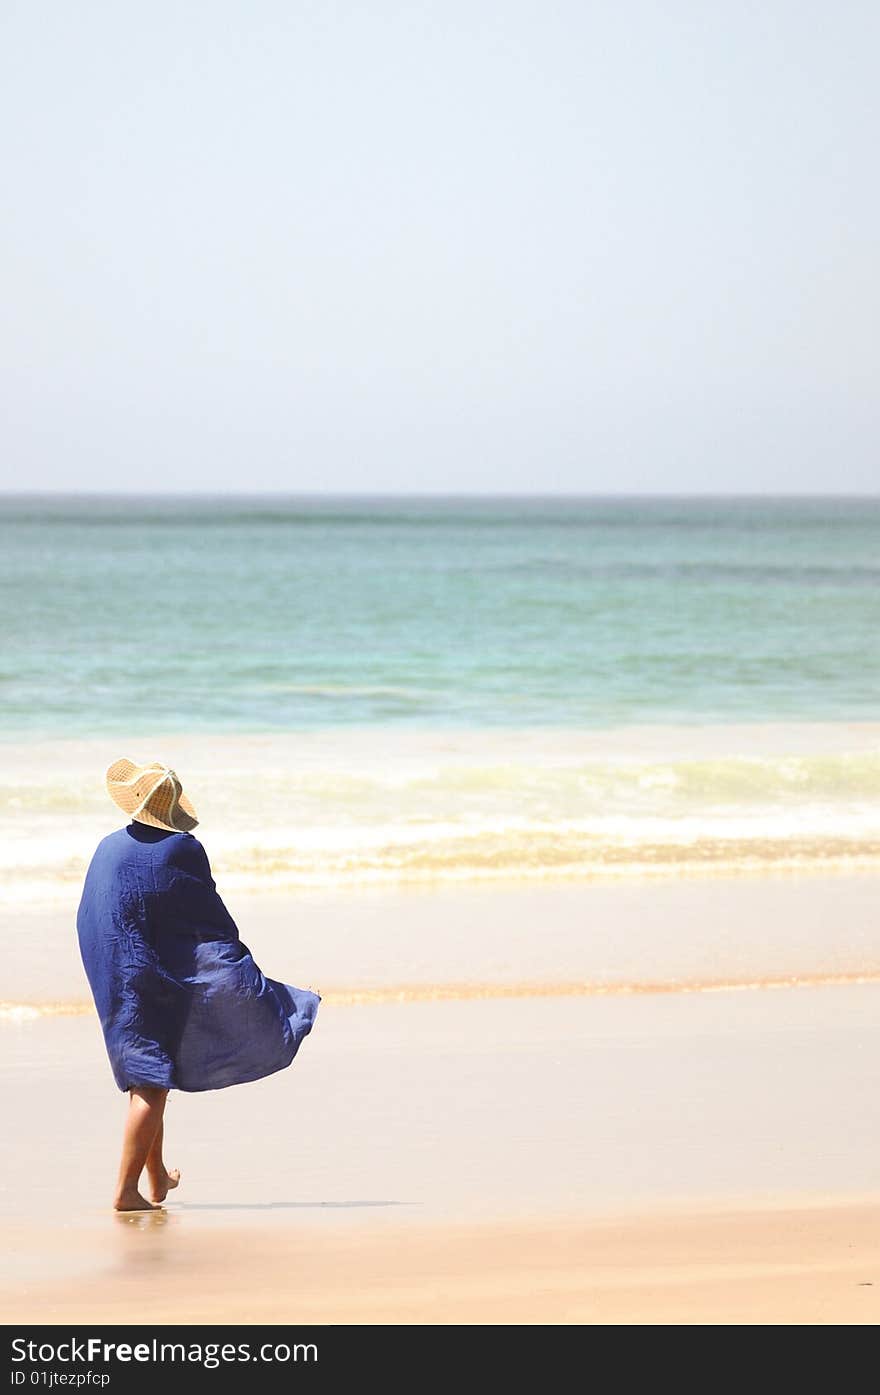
x=511, y=937
x=694, y=1157
x=795, y=1265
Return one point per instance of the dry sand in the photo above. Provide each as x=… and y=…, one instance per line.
x=702, y=1157
x=793, y=1265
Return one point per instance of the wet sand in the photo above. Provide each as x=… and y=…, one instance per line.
x=509, y=937
x=706, y=1157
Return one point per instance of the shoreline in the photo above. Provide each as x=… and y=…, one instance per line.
x=363, y=808
x=565, y=940
x=405, y=995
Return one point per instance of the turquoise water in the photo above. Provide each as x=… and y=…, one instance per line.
x=135, y=615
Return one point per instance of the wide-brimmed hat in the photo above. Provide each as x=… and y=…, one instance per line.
x=151, y=794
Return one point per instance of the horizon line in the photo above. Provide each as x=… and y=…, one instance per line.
x=428, y=494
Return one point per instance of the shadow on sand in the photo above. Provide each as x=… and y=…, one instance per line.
x=160, y=1216
x=277, y=1205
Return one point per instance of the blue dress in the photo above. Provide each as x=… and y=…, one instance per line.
x=182, y=1004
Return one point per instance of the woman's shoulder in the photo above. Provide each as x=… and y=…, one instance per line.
x=136, y=840
x=183, y=850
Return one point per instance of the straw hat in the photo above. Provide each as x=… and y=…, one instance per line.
x=151, y=794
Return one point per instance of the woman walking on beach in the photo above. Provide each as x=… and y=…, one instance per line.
x=182, y=1004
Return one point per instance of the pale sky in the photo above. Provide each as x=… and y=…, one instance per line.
x=471, y=245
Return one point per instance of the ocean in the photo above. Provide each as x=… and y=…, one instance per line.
x=363, y=689
x=285, y=614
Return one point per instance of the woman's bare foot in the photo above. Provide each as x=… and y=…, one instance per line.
x=163, y=1184
x=132, y=1200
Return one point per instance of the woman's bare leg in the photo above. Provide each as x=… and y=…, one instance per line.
x=161, y=1180
x=145, y=1109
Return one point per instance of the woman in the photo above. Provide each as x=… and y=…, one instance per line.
x=182, y=1004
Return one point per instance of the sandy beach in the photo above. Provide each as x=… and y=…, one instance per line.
x=655, y=1157
x=789, y=1265
x=464, y=941
x=646, y=1096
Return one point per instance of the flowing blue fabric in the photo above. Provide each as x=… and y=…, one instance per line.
x=181, y=1001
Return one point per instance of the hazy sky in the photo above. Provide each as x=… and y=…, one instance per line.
x=524, y=245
